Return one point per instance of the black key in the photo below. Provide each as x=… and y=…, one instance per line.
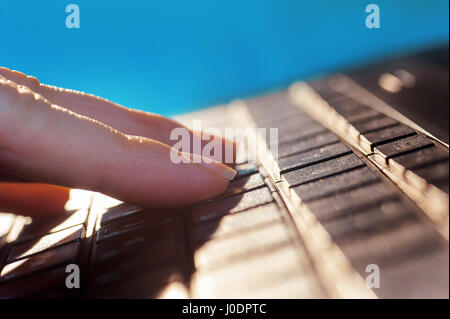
x=223, y=251
x=362, y=115
x=353, y=111
x=288, y=121
x=420, y=158
x=334, y=184
x=402, y=146
x=365, y=116
x=387, y=135
x=265, y=108
x=237, y=223
x=285, y=115
x=132, y=224
x=46, y=242
x=64, y=254
x=138, y=253
x=135, y=248
x=323, y=89
x=376, y=123
x=354, y=201
x=375, y=219
x=313, y=142
x=297, y=132
x=229, y=205
x=437, y=174
x=119, y=211
x=244, y=184
x=137, y=284
x=28, y=286
x=313, y=157
x=321, y=170
x=41, y=228
x=348, y=107
x=409, y=240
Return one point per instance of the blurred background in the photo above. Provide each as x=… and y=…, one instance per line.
x=172, y=57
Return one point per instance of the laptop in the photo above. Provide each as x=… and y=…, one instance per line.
x=351, y=203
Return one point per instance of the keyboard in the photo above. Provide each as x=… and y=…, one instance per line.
x=354, y=184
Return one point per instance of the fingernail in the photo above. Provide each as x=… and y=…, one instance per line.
x=217, y=167
x=224, y=170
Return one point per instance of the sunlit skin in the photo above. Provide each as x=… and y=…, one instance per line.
x=55, y=136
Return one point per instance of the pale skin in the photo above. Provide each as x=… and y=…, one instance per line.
x=51, y=136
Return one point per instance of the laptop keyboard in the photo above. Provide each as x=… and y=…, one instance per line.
x=350, y=186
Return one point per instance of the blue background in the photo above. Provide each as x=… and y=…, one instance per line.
x=176, y=56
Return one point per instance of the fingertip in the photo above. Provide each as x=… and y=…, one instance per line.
x=205, y=181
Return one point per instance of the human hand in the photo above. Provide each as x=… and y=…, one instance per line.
x=62, y=137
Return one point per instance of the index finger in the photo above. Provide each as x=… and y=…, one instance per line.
x=128, y=121
x=50, y=144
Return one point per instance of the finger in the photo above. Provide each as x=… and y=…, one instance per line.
x=128, y=121
x=50, y=144
x=33, y=199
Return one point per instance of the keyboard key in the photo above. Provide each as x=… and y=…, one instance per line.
x=126, y=283
x=323, y=89
x=313, y=142
x=135, y=250
x=270, y=106
x=419, y=158
x=64, y=254
x=243, y=184
x=372, y=139
x=132, y=224
x=33, y=285
x=377, y=218
x=363, y=115
x=437, y=174
x=230, y=205
x=46, y=242
x=119, y=211
x=313, y=157
x=297, y=132
x=135, y=253
x=301, y=286
x=285, y=115
x=41, y=228
x=404, y=145
x=353, y=201
x=229, y=225
x=321, y=170
x=222, y=251
x=407, y=241
x=334, y=184
x=293, y=120
x=348, y=107
x=414, y=280
x=376, y=123
x=353, y=111
x=255, y=273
